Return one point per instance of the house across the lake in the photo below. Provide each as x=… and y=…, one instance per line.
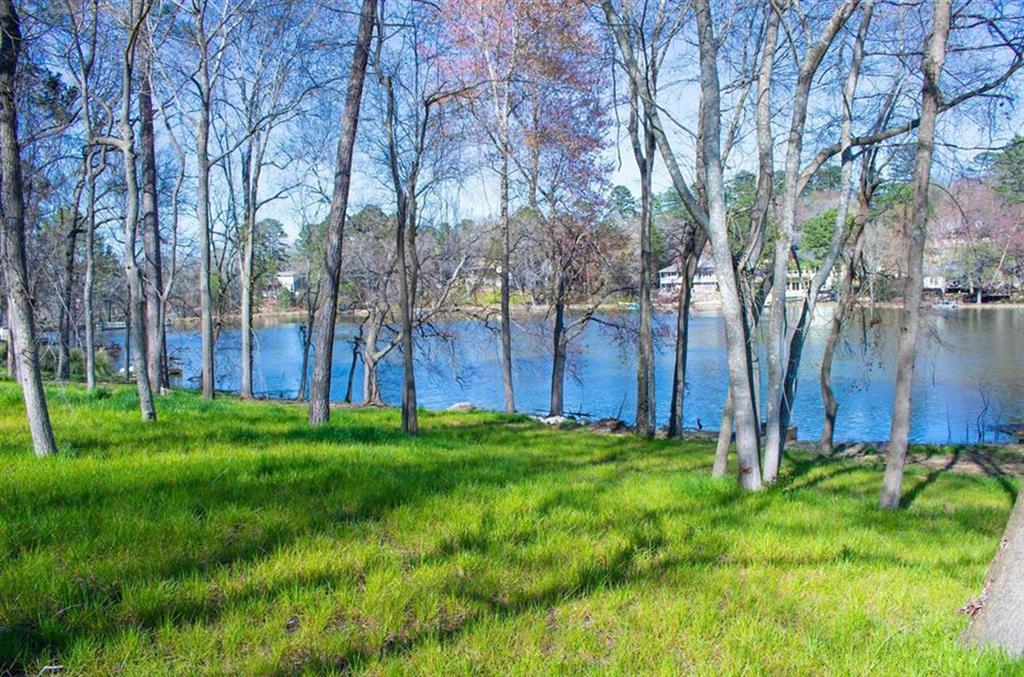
x=291, y=281
x=705, y=283
x=670, y=278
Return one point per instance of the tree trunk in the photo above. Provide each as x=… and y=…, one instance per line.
x=66, y=315
x=128, y=343
x=245, y=389
x=11, y=363
x=90, y=275
x=246, y=281
x=558, y=348
x=356, y=340
x=713, y=220
x=724, y=438
x=22, y=319
x=645, y=403
x=136, y=295
x=371, y=383
x=506, y=258
x=688, y=267
x=153, y=269
x=916, y=232
x=846, y=300
x=675, y=413
x=410, y=424
x=371, y=360
x=738, y=359
x=796, y=336
x=777, y=352
x=203, y=216
x=1000, y=621
x=306, y=336
x=319, y=407
x=843, y=305
x=643, y=152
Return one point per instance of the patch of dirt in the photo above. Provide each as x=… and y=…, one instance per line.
x=994, y=461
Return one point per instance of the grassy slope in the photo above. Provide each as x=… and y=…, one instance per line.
x=229, y=537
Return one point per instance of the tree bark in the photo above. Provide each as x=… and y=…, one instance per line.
x=689, y=261
x=11, y=362
x=797, y=335
x=999, y=623
x=90, y=276
x=203, y=216
x=249, y=174
x=916, y=232
x=65, y=319
x=307, y=342
x=136, y=294
x=558, y=357
x=410, y=422
x=724, y=438
x=371, y=360
x=405, y=246
x=675, y=410
x=643, y=152
x=506, y=262
x=843, y=304
x=84, y=75
x=153, y=269
x=19, y=298
x=778, y=354
x=319, y=403
x=744, y=420
x=356, y=341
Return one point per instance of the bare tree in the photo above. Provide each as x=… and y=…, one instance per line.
x=417, y=148
x=13, y=245
x=209, y=33
x=125, y=145
x=84, y=23
x=65, y=317
x=269, y=53
x=916, y=232
x=851, y=253
x=713, y=220
x=150, y=221
x=807, y=69
x=319, y=401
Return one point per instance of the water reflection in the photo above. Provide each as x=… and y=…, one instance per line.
x=969, y=376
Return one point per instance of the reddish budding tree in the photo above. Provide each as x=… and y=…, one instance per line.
x=563, y=121
x=497, y=48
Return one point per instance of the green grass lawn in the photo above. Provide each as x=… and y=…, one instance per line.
x=229, y=538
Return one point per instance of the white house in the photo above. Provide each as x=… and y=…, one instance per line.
x=705, y=283
x=291, y=281
x=670, y=278
x=934, y=280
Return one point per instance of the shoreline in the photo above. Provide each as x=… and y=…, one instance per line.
x=277, y=316
x=611, y=425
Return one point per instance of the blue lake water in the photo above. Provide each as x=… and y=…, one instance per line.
x=969, y=376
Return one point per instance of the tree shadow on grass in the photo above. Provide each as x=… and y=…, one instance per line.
x=279, y=498
x=302, y=488
x=308, y=493
x=910, y=496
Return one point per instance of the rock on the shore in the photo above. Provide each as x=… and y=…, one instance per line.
x=462, y=407
x=553, y=420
